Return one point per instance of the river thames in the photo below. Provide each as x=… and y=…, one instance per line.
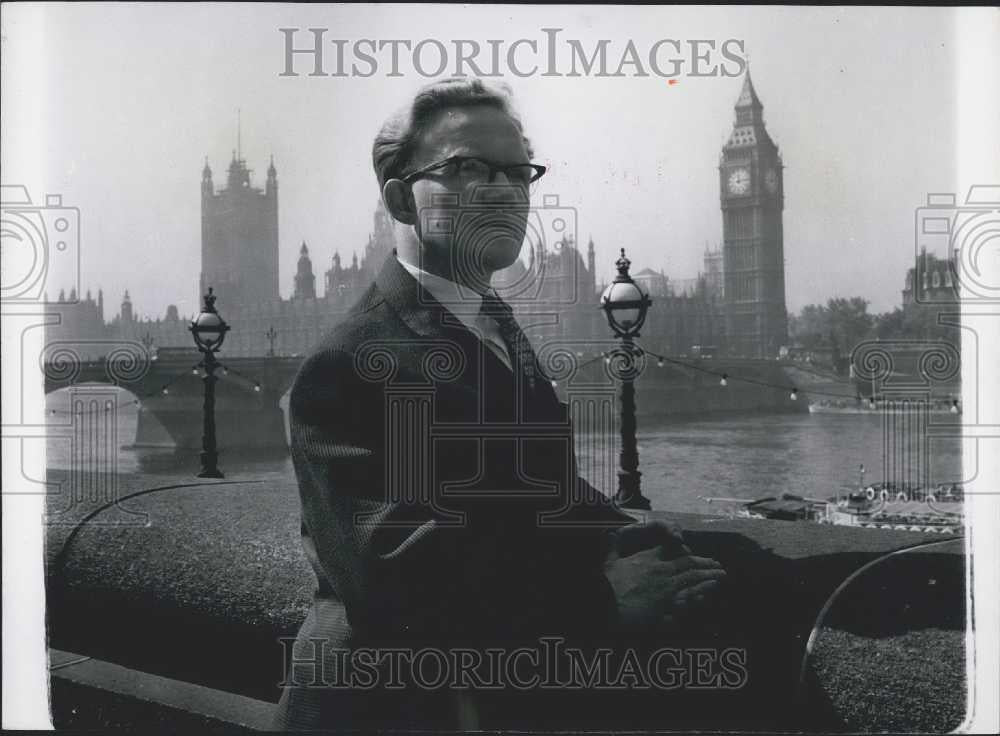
x=747, y=456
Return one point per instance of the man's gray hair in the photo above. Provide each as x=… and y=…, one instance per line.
x=396, y=142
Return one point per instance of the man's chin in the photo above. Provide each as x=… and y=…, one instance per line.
x=502, y=254
x=481, y=262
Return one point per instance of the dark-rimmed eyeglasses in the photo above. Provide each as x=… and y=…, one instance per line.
x=479, y=170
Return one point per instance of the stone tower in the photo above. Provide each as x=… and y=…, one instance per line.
x=239, y=237
x=127, y=313
x=752, y=199
x=305, y=281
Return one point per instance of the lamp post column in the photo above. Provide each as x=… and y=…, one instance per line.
x=629, y=494
x=209, y=451
x=271, y=336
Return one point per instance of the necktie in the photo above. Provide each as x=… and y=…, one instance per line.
x=521, y=354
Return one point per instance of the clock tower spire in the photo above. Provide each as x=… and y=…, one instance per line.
x=748, y=107
x=752, y=199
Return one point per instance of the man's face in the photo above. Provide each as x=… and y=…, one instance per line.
x=470, y=227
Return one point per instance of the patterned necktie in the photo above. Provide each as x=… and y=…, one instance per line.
x=518, y=347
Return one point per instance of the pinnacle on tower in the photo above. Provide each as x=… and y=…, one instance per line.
x=749, y=127
x=305, y=281
x=271, y=187
x=748, y=95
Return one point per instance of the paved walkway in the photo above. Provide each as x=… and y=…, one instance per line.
x=195, y=580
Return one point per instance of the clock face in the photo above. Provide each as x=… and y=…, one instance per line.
x=739, y=181
x=771, y=180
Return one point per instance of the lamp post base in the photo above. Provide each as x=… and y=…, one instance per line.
x=629, y=496
x=637, y=503
x=209, y=466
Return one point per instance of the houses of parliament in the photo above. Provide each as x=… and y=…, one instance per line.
x=736, y=305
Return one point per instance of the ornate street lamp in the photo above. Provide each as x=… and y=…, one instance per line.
x=271, y=336
x=147, y=343
x=209, y=331
x=625, y=304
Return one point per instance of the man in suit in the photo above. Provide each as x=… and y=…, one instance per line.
x=441, y=506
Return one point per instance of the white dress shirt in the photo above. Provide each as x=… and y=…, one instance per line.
x=465, y=304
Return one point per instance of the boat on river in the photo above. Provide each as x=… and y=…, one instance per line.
x=822, y=405
x=879, y=506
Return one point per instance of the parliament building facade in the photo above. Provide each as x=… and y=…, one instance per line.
x=735, y=306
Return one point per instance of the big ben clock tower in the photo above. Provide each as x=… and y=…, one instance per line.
x=752, y=199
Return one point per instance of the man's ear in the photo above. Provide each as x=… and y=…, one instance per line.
x=398, y=198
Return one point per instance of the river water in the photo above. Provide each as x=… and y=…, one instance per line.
x=748, y=456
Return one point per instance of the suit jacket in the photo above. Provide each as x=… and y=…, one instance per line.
x=441, y=505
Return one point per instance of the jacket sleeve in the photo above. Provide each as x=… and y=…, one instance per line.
x=482, y=569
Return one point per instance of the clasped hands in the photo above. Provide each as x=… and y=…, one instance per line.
x=657, y=581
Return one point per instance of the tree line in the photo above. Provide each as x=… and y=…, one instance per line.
x=842, y=323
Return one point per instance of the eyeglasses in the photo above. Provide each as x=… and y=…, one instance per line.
x=478, y=170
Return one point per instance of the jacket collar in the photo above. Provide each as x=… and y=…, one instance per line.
x=425, y=315
x=414, y=304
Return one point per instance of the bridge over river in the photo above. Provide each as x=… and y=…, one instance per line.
x=169, y=389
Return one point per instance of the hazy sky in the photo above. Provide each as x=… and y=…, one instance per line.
x=116, y=107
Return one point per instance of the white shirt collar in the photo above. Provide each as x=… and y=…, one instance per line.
x=459, y=300
x=465, y=304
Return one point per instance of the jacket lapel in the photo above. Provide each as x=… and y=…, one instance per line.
x=422, y=313
x=428, y=318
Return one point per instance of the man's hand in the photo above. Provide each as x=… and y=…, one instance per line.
x=655, y=578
